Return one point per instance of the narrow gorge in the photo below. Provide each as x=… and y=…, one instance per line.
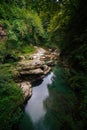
x=34, y=67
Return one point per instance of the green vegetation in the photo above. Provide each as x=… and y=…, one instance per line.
x=24, y=30
x=52, y=23
x=68, y=30
x=11, y=98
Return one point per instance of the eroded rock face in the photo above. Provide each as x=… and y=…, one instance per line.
x=30, y=64
x=35, y=68
x=30, y=72
x=27, y=89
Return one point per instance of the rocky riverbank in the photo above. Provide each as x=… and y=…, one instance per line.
x=34, y=67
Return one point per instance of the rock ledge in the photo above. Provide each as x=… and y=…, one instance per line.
x=34, y=68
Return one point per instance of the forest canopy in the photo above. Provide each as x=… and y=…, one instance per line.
x=50, y=23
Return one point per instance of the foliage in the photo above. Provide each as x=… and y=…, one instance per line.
x=28, y=49
x=68, y=30
x=23, y=27
x=65, y=26
x=10, y=99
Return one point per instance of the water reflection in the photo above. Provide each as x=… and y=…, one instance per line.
x=51, y=106
x=35, y=108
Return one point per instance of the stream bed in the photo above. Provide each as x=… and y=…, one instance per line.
x=50, y=107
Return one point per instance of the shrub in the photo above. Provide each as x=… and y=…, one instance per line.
x=11, y=98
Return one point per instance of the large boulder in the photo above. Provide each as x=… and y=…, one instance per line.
x=27, y=89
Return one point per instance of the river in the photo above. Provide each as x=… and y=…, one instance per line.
x=50, y=107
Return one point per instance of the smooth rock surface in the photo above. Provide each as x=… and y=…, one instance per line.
x=34, y=71
x=27, y=89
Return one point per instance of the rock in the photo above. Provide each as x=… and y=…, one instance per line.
x=34, y=67
x=27, y=89
x=30, y=58
x=30, y=72
x=21, y=58
x=47, y=70
x=44, y=67
x=50, y=63
x=43, y=58
x=28, y=65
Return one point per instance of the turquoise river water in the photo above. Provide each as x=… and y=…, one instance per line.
x=50, y=107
